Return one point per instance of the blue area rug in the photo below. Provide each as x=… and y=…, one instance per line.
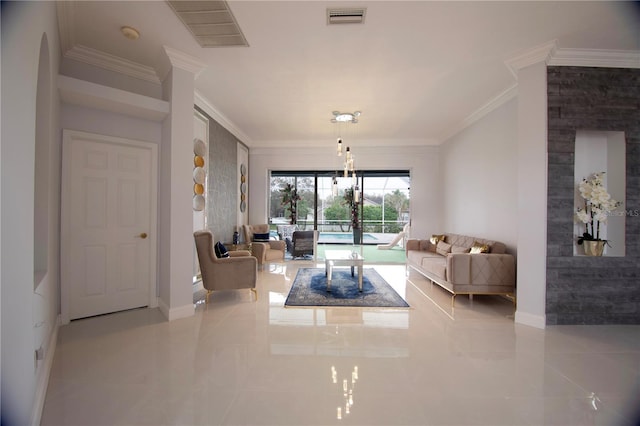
x=310, y=289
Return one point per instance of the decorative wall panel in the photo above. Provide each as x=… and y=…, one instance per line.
x=222, y=183
x=588, y=290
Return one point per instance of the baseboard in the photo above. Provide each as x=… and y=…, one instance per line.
x=175, y=313
x=42, y=380
x=537, y=321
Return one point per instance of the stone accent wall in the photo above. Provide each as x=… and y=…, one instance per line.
x=591, y=290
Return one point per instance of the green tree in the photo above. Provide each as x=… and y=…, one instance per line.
x=337, y=213
x=306, y=191
x=398, y=201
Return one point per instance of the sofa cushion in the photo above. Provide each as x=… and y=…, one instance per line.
x=435, y=238
x=467, y=241
x=479, y=248
x=425, y=245
x=435, y=264
x=443, y=248
x=261, y=238
x=416, y=256
x=460, y=249
x=220, y=250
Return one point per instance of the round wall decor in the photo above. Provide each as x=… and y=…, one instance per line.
x=199, y=147
x=198, y=203
x=198, y=175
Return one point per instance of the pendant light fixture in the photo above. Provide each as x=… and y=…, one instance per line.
x=344, y=118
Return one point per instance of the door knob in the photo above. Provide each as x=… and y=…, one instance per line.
x=143, y=235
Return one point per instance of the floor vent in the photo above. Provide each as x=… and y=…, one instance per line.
x=345, y=16
x=211, y=22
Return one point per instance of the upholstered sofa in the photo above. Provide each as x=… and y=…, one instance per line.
x=450, y=264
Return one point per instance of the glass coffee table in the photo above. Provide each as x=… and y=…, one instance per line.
x=335, y=258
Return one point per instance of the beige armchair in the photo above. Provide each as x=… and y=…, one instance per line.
x=264, y=252
x=237, y=271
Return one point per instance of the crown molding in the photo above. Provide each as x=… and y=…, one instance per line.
x=111, y=62
x=595, y=58
x=66, y=11
x=551, y=55
x=202, y=102
x=493, y=104
x=540, y=53
x=178, y=59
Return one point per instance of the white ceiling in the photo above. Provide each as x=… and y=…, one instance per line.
x=417, y=70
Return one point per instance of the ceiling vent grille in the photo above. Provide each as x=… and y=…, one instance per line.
x=211, y=22
x=345, y=16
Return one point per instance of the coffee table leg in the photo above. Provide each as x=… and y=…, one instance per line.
x=352, y=270
x=359, y=277
x=329, y=268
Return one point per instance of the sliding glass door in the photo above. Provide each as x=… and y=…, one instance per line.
x=310, y=200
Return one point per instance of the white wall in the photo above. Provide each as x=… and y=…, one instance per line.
x=532, y=195
x=422, y=162
x=91, y=120
x=28, y=318
x=479, y=178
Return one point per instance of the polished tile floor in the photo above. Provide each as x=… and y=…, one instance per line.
x=242, y=362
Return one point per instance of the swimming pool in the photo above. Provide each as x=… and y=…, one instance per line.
x=344, y=237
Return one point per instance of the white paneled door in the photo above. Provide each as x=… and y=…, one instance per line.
x=108, y=224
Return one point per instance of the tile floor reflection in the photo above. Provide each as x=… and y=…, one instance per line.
x=244, y=362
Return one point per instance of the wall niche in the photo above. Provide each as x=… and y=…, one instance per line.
x=597, y=152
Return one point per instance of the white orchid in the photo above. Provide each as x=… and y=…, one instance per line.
x=598, y=204
x=583, y=216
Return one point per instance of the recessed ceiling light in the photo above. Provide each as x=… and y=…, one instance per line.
x=345, y=116
x=130, y=32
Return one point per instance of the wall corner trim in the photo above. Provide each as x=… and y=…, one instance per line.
x=42, y=381
x=172, y=314
x=530, y=56
x=174, y=58
x=531, y=320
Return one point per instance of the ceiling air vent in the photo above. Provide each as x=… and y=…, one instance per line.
x=345, y=16
x=211, y=22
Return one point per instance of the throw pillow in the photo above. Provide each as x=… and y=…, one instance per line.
x=435, y=238
x=261, y=238
x=220, y=250
x=443, y=248
x=459, y=249
x=479, y=248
